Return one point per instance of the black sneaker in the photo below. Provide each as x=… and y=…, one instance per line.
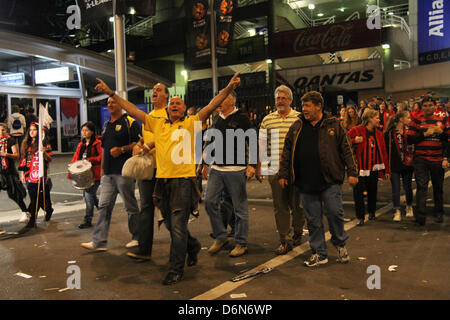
x=48, y=214
x=439, y=218
x=85, y=225
x=192, y=256
x=297, y=238
x=31, y=224
x=139, y=256
x=315, y=260
x=172, y=278
x=372, y=216
x=420, y=222
x=360, y=223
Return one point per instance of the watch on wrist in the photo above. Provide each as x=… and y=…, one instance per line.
x=122, y=150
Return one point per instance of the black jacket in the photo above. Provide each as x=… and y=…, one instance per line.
x=335, y=151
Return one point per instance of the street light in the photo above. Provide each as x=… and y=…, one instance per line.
x=311, y=6
x=385, y=46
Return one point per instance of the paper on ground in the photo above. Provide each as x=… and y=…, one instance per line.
x=238, y=295
x=23, y=275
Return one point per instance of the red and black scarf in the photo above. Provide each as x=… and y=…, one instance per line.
x=4, y=148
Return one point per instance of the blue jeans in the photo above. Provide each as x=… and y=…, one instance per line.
x=331, y=198
x=235, y=184
x=227, y=211
x=406, y=177
x=176, y=221
x=90, y=197
x=112, y=185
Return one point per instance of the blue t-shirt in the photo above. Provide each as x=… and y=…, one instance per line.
x=118, y=134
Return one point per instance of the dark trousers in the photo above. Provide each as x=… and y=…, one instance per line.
x=424, y=170
x=370, y=184
x=36, y=203
x=146, y=217
x=176, y=220
x=16, y=191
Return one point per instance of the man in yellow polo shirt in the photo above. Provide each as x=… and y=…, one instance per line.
x=160, y=96
x=174, y=140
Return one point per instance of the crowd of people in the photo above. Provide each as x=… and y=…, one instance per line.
x=315, y=153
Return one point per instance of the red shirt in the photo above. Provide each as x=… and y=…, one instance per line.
x=430, y=148
x=30, y=164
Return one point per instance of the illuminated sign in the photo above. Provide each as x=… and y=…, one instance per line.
x=53, y=75
x=12, y=79
x=433, y=31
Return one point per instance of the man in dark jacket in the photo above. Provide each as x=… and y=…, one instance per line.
x=317, y=150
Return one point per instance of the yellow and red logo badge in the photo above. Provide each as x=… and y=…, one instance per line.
x=198, y=11
x=226, y=6
x=201, y=41
x=223, y=38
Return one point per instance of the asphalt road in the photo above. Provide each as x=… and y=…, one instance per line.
x=421, y=254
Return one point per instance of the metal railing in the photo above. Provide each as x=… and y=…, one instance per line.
x=243, y=3
x=391, y=20
x=354, y=16
x=143, y=28
x=322, y=21
x=401, y=10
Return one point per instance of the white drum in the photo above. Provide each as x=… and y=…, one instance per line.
x=81, y=174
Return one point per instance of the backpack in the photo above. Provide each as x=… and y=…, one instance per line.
x=17, y=124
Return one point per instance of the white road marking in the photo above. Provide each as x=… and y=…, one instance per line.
x=226, y=287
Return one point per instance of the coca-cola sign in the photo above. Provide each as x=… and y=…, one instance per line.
x=327, y=38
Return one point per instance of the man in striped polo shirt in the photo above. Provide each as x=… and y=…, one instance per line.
x=276, y=125
x=429, y=133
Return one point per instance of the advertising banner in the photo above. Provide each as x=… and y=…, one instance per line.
x=326, y=38
x=199, y=31
x=224, y=24
x=340, y=76
x=69, y=117
x=433, y=21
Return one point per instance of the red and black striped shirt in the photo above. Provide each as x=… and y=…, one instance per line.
x=430, y=148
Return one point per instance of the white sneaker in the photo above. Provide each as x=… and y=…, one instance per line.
x=24, y=217
x=132, y=244
x=397, y=215
x=91, y=246
x=409, y=212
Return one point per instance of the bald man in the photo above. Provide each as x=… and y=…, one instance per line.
x=175, y=186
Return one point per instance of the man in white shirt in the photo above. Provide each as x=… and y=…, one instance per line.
x=17, y=124
x=285, y=201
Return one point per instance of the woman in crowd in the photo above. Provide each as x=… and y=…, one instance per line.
x=385, y=114
x=362, y=107
x=29, y=167
x=416, y=110
x=391, y=108
x=90, y=148
x=342, y=113
x=400, y=157
x=372, y=161
x=9, y=151
x=401, y=106
x=351, y=118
